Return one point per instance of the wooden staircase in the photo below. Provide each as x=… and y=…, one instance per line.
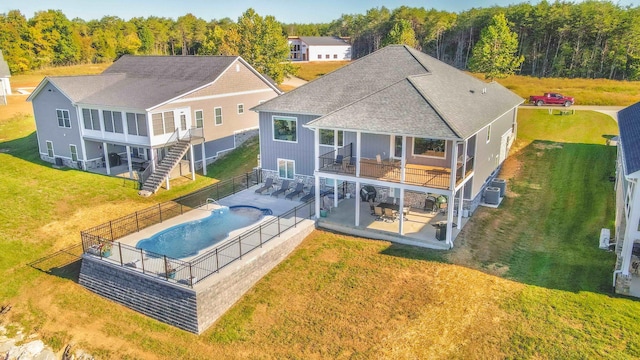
x=154, y=181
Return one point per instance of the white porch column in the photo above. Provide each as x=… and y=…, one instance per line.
x=403, y=161
x=192, y=163
x=204, y=160
x=631, y=230
x=401, y=206
x=106, y=158
x=460, y=201
x=167, y=182
x=335, y=193
x=316, y=154
x=129, y=161
x=356, y=200
x=152, y=152
x=464, y=158
x=451, y=197
x=358, y=149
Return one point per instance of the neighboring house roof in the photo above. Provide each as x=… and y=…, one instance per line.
x=4, y=67
x=399, y=90
x=324, y=41
x=143, y=82
x=629, y=126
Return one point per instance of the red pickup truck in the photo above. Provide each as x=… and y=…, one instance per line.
x=551, y=99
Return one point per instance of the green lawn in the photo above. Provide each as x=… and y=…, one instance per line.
x=525, y=280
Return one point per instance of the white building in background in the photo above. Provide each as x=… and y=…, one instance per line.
x=319, y=48
x=5, y=74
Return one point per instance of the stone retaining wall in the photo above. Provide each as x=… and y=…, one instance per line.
x=196, y=309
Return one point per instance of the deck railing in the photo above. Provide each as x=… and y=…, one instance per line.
x=188, y=273
x=437, y=177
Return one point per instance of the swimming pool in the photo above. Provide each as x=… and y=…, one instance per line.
x=188, y=238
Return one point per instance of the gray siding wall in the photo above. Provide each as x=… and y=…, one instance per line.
x=488, y=153
x=374, y=144
x=212, y=148
x=44, y=110
x=300, y=152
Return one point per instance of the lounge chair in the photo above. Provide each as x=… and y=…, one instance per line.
x=338, y=161
x=267, y=185
x=310, y=195
x=283, y=188
x=297, y=191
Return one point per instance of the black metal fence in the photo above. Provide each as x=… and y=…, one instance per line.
x=98, y=241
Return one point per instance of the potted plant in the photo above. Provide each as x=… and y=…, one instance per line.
x=105, y=249
x=170, y=271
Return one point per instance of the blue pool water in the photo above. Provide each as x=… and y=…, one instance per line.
x=187, y=239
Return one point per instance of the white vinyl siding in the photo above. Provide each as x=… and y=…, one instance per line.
x=63, y=118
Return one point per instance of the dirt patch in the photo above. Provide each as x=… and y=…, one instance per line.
x=546, y=146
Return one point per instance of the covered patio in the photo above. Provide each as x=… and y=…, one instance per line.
x=419, y=225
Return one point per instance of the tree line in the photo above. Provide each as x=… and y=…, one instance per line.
x=590, y=39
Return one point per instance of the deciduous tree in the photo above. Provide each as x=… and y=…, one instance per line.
x=495, y=54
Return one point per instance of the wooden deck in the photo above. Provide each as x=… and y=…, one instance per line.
x=415, y=174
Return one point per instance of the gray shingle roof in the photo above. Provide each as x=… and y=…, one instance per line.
x=4, y=67
x=323, y=41
x=398, y=89
x=629, y=126
x=142, y=82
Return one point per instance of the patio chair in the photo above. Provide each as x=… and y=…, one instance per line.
x=351, y=164
x=283, y=188
x=310, y=195
x=377, y=211
x=267, y=185
x=390, y=214
x=297, y=191
x=338, y=161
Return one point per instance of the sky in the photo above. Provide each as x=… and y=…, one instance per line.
x=286, y=11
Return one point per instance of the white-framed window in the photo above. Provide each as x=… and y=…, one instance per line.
x=112, y=121
x=429, y=147
x=240, y=108
x=328, y=137
x=199, y=119
x=163, y=123
x=137, y=124
x=63, y=118
x=326, y=56
x=489, y=133
x=286, y=169
x=91, y=119
x=335, y=56
x=319, y=56
x=74, y=152
x=285, y=128
x=217, y=112
x=50, y=149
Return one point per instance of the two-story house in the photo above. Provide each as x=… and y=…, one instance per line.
x=413, y=128
x=627, y=231
x=149, y=113
x=319, y=48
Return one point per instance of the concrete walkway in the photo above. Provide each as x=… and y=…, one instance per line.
x=607, y=110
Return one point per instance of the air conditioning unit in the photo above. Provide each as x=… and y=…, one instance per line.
x=500, y=183
x=492, y=195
